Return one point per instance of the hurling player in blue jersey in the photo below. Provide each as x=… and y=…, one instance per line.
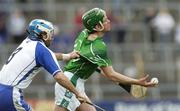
x=26, y=61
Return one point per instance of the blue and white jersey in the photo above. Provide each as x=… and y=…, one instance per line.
x=25, y=62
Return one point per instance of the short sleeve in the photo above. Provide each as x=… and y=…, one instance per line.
x=46, y=58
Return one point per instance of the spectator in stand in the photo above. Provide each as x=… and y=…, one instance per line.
x=120, y=28
x=16, y=25
x=150, y=13
x=77, y=19
x=177, y=33
x=3, y=26
x=164, y=23
x=3, y=29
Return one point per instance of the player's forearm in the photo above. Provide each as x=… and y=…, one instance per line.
x=59, y=56
x=65, y=82
x=119, y=78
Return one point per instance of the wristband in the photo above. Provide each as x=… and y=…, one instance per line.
x=66, y=56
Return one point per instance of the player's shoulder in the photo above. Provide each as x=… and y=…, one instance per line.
x=41, y=44
x=41, y=47
x=99, y=43
x=28, y=44
x=83, y=33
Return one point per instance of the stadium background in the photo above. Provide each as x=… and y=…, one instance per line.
x=136, y=45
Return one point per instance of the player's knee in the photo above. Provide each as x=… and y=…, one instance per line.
x=57, y=108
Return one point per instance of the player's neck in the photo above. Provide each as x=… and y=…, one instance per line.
x=95, y=35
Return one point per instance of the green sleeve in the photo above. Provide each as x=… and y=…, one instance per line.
x=79, y=40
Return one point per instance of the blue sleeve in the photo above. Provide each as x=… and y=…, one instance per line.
x=45, y=58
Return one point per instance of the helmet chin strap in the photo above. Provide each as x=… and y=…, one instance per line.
x=46, y=37
x=99, y=29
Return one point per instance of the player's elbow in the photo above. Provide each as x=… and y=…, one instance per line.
x=110, y=73
x=111, y=77
x=58, y=76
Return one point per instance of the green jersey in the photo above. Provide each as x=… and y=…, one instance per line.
x=93, y=55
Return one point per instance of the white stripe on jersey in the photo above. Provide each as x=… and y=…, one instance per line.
x=16, y=96
x=24, y=63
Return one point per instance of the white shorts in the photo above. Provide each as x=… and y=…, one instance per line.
x=66, y=99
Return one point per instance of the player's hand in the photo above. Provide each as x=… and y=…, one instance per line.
x=74, y=54
x=82, y=98
x=144, y=82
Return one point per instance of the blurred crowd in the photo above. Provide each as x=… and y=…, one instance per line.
x=161, y=26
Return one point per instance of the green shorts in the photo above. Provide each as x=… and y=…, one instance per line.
x=66, y=99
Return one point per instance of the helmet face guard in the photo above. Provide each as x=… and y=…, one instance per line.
x=93, y=17
x=38, y=28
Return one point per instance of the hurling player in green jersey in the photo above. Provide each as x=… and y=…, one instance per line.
x=93, y=55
